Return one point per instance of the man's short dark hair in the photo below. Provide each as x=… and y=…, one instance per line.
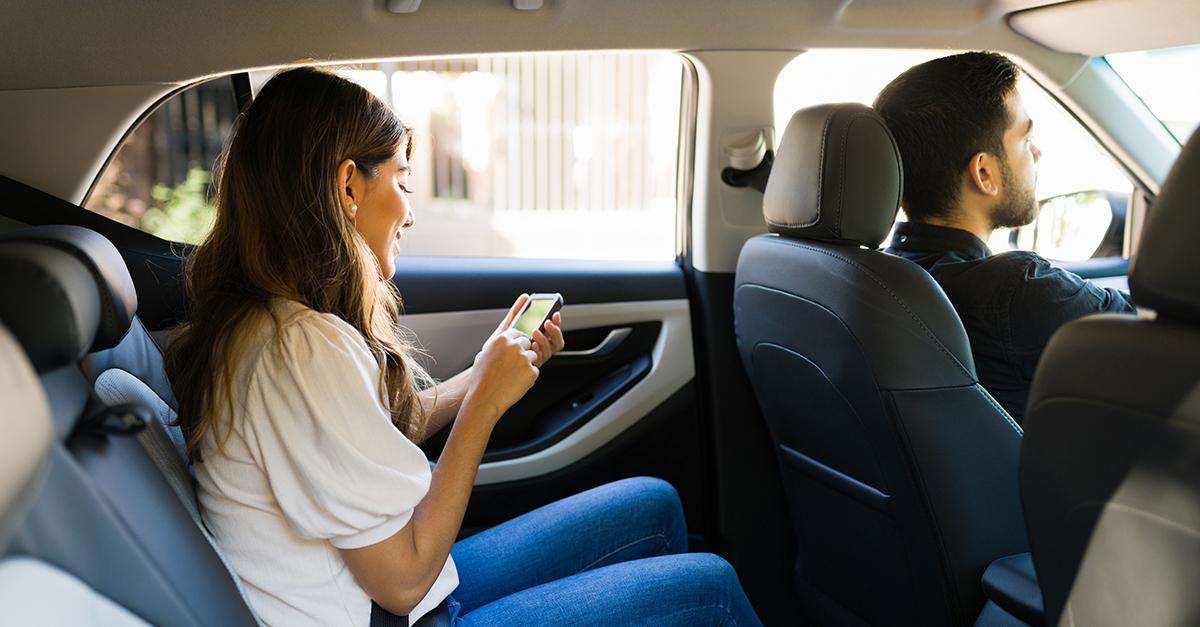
x=942, y=112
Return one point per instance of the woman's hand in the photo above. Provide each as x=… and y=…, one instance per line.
x=504, y=370
x=548, y=340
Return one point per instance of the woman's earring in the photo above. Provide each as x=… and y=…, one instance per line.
x=353, y=210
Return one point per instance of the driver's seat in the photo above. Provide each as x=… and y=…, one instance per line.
x=899, y=469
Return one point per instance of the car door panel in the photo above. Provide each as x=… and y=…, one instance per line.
x=571, y=389
x=627, y=409
x=661, y=341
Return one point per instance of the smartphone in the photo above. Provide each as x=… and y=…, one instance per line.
x=536, y=311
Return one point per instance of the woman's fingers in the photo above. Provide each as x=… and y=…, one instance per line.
x=520, y=338
x=554, y=330
x=512, y=312
x=543, y=346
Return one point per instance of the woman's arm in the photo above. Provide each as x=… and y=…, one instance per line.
x=398, y=572
x=443, y=402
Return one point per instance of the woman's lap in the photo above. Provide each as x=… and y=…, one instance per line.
x=610, y=552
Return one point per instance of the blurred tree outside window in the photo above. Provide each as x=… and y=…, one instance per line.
x=159, y=180
x=181, y=213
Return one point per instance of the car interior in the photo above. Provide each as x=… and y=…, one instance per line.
x=706, y=185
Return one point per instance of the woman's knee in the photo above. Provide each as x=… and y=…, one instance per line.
x=652, y=490
x=710, y=578
x=711, y=570
x=657, y=499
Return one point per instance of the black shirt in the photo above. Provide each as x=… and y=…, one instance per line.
x=1010, y=303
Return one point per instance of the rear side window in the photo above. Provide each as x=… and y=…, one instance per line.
x=159, y=180
x=569, y=156
x=1082, y=191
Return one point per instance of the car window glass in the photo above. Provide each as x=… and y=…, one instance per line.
x=528, y=155
x=1070, y=228
x=1166, y=81
x=159, y=179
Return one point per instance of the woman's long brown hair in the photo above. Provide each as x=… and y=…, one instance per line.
x=280, y=232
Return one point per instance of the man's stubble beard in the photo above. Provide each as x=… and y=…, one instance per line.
x=1019, y=205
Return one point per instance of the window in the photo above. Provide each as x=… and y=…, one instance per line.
x=1082, y=191
x=541, y=155
x=530, y=155
x=1166, y=81
x=159, y=179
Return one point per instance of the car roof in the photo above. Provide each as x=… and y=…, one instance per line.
x=128, y=41
x=76, y=77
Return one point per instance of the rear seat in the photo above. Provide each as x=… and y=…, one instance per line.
x=120, y=519
x=140, y=531
x=131, y=371
x=33, y=592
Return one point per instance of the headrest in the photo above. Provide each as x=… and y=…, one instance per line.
x=837, y=177
x=49, y=300
x=25, y=422
x=1162, y=276
x=118, y=297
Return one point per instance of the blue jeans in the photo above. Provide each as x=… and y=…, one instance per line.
x=613, y=555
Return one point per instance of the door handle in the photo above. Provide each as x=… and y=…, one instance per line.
x=604, y=348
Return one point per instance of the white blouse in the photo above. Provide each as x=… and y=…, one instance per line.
x=313, y=464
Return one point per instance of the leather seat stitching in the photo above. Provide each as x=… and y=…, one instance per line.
x=1000, y=409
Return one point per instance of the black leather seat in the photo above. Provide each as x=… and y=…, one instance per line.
x=1110, y=467
x=899, y=469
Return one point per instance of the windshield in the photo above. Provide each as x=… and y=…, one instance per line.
x=1166, y=80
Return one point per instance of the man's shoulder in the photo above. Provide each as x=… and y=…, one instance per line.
x=1035, y=270
x=1017, y=261
x=1028, y=268
x=987, y=270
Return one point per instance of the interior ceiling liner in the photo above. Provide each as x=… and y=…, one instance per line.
x=1098, y=27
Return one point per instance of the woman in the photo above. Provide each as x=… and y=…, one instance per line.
x=302, y=405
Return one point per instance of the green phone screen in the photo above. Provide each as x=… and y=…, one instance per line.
x=534, y=315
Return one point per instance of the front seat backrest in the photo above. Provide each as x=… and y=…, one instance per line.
x=899, y=469
x=1110, y=467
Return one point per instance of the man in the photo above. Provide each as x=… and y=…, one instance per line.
x=970, y=168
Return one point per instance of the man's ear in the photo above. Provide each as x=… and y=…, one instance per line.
x=347, y=180
x=983, y=171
